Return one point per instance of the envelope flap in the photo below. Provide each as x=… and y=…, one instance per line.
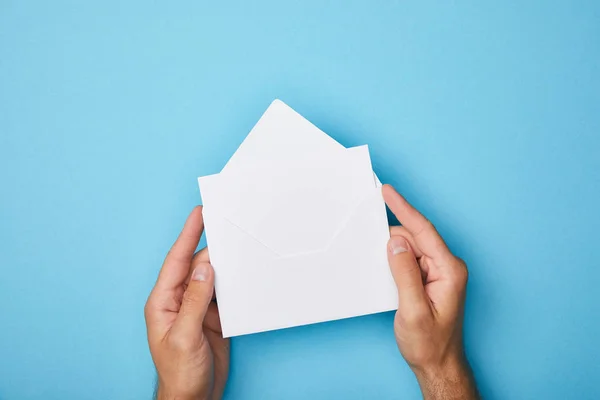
x=296, y=208
x=280, y=135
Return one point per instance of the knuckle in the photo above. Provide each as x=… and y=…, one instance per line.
x=465, y=274
x=427, y=227
x=460, y=274
x=148, y=308
x=461, y=263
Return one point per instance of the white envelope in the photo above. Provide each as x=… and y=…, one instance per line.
x=296, y=229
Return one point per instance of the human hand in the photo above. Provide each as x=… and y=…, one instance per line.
x=431, y=295
x=184, y=331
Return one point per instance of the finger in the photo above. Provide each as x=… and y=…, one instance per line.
x=402, y=231
x=163, y=303
x=177, y=263
x=407, y=275
x=200, y=257
x=195, y=302
x=427, y=239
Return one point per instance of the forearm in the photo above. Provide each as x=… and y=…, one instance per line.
x=453, y=381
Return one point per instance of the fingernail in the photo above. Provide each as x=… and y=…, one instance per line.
x=398, y=245
x=200, y=273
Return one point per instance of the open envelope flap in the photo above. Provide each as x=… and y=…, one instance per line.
x=281, y=134
x=258, y=292
x=297, y=208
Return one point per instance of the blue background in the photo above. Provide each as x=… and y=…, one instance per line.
x=486, y=115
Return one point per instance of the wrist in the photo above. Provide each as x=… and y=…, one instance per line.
x=450, y=379
x=449, y=368
x=164, y=393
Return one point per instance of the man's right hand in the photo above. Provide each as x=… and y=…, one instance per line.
x=431, y=295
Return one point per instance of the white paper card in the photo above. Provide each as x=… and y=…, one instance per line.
x=296, y=229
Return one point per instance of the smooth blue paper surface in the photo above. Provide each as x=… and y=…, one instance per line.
x=485, y=115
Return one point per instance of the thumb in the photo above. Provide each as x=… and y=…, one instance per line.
x=406, y=273
x=195, y=301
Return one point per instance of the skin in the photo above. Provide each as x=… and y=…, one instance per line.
x=182, y=321
x=192, y=358
x=432, y=286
